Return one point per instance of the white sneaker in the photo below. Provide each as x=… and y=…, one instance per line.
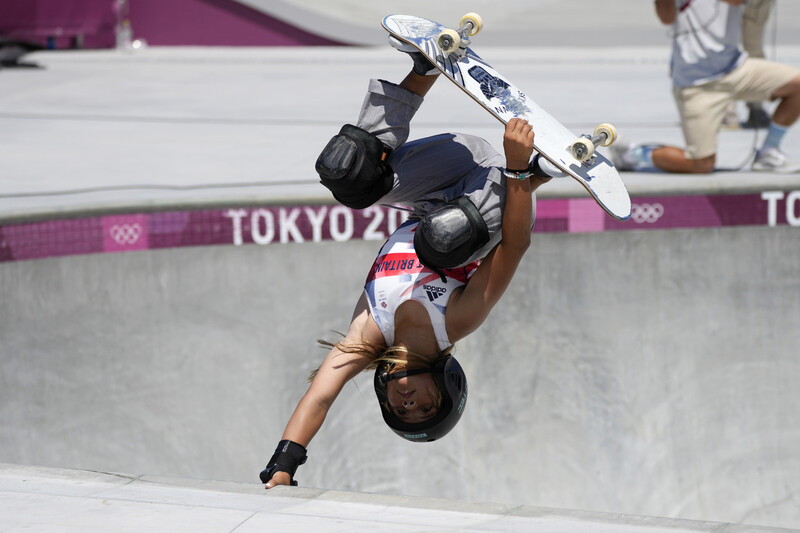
x=421, y=64
x=628, y=156
x=773, y=160
x=549, y=168
x=402, y=46
x=619, y=155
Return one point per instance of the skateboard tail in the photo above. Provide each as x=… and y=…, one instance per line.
x=616, y=205
x=605, y=186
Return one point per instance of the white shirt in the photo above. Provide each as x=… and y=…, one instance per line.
x=706, y=41
x=397, y=276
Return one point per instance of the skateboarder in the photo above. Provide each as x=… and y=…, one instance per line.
x=473, y=210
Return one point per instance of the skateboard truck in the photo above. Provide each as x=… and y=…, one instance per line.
x=583, y=148
x=456, y=41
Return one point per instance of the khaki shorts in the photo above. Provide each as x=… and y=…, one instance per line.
x=702, y=108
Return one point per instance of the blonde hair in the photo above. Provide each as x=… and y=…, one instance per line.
x=380, y=354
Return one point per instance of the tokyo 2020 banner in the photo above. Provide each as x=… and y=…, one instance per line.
x=277, y=225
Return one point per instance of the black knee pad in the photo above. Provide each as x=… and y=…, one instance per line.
x=449, y=235
x=353, y=167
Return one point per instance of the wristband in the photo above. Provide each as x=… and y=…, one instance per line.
x=287, y=457
x=517, y=174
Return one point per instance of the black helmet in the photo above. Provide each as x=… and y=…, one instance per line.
x=452, y=383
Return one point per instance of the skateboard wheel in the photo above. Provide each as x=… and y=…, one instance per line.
x=609, y=131
x=582, y=149
x=449, y=41
x=475, y=20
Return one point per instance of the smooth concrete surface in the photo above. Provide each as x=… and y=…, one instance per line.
x=647, y=373
x=47, y=499
x=98, y=131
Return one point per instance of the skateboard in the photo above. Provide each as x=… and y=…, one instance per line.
x=448, y=49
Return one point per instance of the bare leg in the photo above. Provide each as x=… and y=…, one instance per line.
x=788, y=110
x=673, y=159
x=419, y=85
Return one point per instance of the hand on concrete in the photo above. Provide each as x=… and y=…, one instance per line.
x=280, y=478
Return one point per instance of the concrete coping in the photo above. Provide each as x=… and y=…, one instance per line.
x=56, y=496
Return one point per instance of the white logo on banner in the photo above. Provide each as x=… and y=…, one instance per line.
x=126, y=233
x=649, y=213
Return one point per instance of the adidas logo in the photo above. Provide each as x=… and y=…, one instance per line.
x=434, y=292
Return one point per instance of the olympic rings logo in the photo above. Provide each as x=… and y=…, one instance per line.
x=126, y=233
x=649, y=213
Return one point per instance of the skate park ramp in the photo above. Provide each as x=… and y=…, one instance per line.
x=643, y=370
x=34, y=499
x=648, y=373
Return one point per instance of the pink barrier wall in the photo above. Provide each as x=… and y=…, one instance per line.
x=213, y=23
x=313, y=223
x=61, y=24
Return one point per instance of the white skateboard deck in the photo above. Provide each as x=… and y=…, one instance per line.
x=502, y=99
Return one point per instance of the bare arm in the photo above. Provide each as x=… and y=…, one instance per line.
x=666, y=10
x=417, y=84
x=337, y=369
x=467, y=310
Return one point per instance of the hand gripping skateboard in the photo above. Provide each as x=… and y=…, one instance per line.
x=449, y=51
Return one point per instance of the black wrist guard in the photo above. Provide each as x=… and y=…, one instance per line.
x=287, y=457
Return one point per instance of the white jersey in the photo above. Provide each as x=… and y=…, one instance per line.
x=397, y=276
x=705, y=45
